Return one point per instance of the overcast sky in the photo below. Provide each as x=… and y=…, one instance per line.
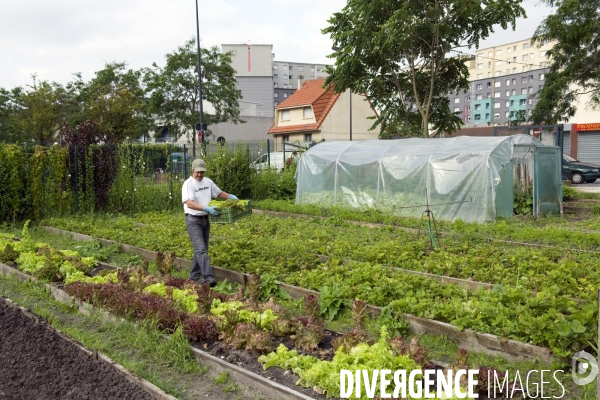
x=56, y=38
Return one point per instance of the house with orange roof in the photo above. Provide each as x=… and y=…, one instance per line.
x=313, y=113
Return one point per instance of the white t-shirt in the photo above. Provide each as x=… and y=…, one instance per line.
x=200, y=192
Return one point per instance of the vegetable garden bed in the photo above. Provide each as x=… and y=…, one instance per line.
x=468, y=339
x=39, y=362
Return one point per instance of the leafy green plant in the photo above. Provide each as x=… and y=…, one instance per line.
x=332, y=299
x=523, y=202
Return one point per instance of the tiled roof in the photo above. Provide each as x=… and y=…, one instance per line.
x=311, y=93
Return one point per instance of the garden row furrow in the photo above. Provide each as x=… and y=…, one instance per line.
x=528, y=319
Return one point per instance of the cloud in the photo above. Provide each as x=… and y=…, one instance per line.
x=58, y=38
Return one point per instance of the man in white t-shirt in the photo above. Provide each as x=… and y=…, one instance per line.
x=196, y=193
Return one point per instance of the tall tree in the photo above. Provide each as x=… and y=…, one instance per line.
x=574, y=59
x=36, y=113
x=173, y=89
x=399, y=53
x=114, y=99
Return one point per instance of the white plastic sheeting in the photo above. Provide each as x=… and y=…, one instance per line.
x=460, y=175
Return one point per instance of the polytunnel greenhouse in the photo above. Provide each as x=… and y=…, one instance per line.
x=468, y=178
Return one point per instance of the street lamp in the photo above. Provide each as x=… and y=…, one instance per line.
x=201, y=127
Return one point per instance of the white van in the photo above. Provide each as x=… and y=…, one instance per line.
x=276, y=160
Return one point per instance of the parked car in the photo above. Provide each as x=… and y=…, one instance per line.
x=276, y=160
x=579, y=172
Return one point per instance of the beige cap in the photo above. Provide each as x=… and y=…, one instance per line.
x=199, y=165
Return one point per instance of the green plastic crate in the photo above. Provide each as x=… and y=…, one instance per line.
x=230, y=215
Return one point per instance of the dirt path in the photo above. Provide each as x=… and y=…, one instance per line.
x=37, y=363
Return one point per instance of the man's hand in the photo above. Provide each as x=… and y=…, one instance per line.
x=211, y=211
x=233, y=197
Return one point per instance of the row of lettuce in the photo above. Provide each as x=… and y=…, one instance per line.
x=285, y=248
x=241, y=320
x=262, y=244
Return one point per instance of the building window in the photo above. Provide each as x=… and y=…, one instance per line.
x=489, y=53
x=285, y=67
x=496, y=115
x=480, y=66
x=489, y=74
x=497, y=94
x=497, y=105
x=523, y=79
x=507, y=93
x=524, y=68
x=508, y=49
x=308, y=112
x=477, y=107
x=285, y=85
x=286, y=138
x=543, y=53
x=489, y=64
x=480, y=56
x=275, y=84
x=512, y=103
x=513, y=92
x=508, y=82
x=308, y=137
x=524, y=91
x=275, y=76
x=276, y=103
x=542, y=77
x=525, y=57
x=498, y=63
x=498, y=52
x=275, y=94
x=530, y=67
x=291, y=67
x=291, y=76
x=477, y=117
x=479, y=86
x=285, y=95
x=285, y=115
x=300, y=68
x=514, y=48
x=489, y=84
x=530, y=78
x=468, y=117
x=285, y=76
x=544, y=64
x=506, y=114
x=497, y=84
x=531, y=56
x=300, y=76
x=469, y=98
x=522, y=102
x=275, y=66
x=291, y=86
x=488, y=95
x=498, y=73
x=507, y=104
x=514, y=70
x=487, y=106
x=457, y=100
x=456, y=109
x=312, y=69
x=525, y=46
x=530, y=101
x=508, y=71
x=468, y=108
x=478, y=97
x=530, y=89
x=487, y=116
x=479, y=76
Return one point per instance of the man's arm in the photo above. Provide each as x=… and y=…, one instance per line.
x=194, y=206
x=223, y=195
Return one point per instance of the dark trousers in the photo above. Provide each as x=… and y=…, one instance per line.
x=199, y=229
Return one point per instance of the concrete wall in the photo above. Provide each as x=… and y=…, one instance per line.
x=255, y=128
x=258, y=89
x=251, y=59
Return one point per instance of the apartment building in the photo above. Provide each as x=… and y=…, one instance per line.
x=288, y=77
x=503, y=83
x=265, y=83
